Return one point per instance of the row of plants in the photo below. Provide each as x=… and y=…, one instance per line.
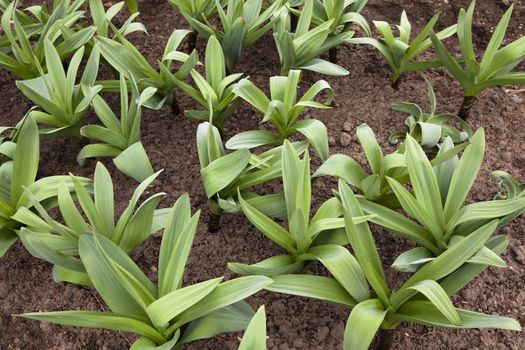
x=418, y=192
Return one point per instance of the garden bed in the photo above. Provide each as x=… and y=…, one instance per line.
x=362, y=97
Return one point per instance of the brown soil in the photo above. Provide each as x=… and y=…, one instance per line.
x=364, y=96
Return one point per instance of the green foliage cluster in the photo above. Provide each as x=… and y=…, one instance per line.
x=419, y=192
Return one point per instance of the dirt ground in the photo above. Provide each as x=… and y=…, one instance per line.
x=362, y=97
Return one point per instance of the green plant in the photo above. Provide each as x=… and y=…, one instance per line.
x=133, y=5
x=509, y=188
x=341, y=13
x=423, y=299
x=223, y=175
x=197, y=12
x=429, y=129
x=26, y=59
x=102, y=18
x=57, y=243
x=19, y=158
x=282, y=110
x=127, y=60
x=373, y=186
x=495, y=68
x=243, y=23
x=438, y=204
x=300, y=49
x=216, y=88
x=306, y=238
x=63, y=102
x=399, y=52
x=168, y=315
x=255, y=336
x=120, y=138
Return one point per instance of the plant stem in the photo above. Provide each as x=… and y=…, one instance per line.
x=395, y=83
x=214, y=218
x=386, y=337
x=192, y=41
x=175, y=107
x=332, y=55
x=293, y=23
x=466, y=107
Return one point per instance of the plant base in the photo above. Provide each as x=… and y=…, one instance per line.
x=466, y=107
x=175, y=107
x=386, y=338
x=214, y=222
x=332, y=55
x=395, y=84
x=192, y=41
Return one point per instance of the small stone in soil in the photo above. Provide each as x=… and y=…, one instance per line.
x=331, y=141
x=345, y=139
x=347, y=126
x=520, y=253
x=322, y=333
x=338, y=330
x=516, y=100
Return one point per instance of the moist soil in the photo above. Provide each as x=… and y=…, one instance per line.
x=364, y=96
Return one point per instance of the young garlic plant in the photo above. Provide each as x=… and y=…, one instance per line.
x=342, y=13
x=63, y=102
x=243, y=23
x=223, y=175
x=400, y=52
x=282, y=110
x=423, y=299
x=196, y=12
x=301, y=48
x=215, y=89
x=102, y=19
x=372, y=186
x=34, y=18
x=430, y=129
x=164, y=316
x=26, y=59
x=19, y=158
x=496, y=66
x=437, y=202
x=120, y=137
x=306, y=239
x=127, y=60
x=57, y=243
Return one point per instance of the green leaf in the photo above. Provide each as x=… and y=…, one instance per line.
x=25, y=159
x=317, y=287
x=465, y=174
x=424, y=312
x=437, y=296
x=226, y=293
x=343, y=167
x=255, y=336
x=316, y=133
x=230, y=318
x=363, y=323
x=252, y=139
x=345, y=268
x=179, y=232
x=104, y=320
x=224, y=170
x=169, y=306
x=363, y=243
x=134, y=162
x=269, y=228
x=424, y=182
x=100, y=257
